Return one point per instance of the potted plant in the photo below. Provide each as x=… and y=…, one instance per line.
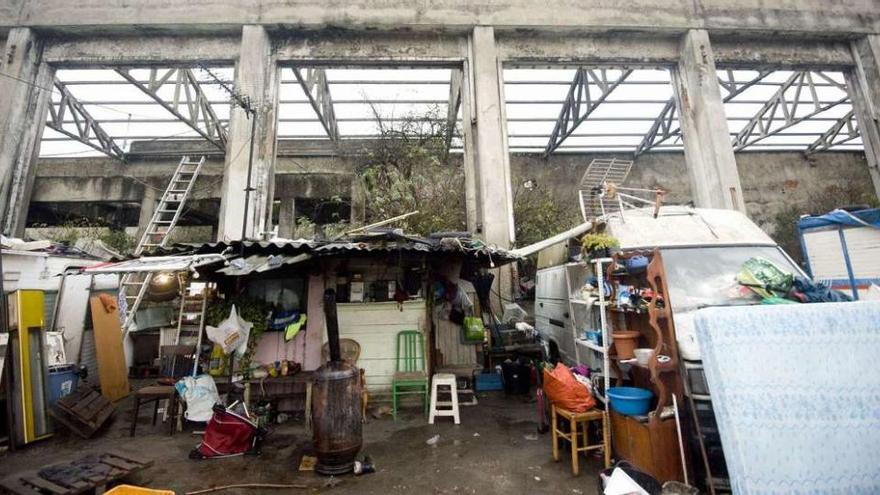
x=598, y=245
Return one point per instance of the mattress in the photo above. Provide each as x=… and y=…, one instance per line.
x=796, y=395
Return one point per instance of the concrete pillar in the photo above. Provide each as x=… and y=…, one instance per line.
x=469, y=160
x=256, y=77
x=25, y=95
x=491, y=159
x=492, y=163
x=708, y=150
x=148, y=207
x=287, y=218
x=864, y=89
x=358, y=201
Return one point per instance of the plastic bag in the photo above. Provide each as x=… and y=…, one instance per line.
x=200, y=394
x=564, y=390
x=231, y=334
x=474, y=331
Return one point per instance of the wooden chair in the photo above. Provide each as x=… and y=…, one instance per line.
x=156, y=394
x=410, y=369
x=579, y=421
x=349, y=348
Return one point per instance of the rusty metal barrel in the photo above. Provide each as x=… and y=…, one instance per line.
x=336, y=404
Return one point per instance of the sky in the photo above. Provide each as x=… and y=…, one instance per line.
x=533, y=101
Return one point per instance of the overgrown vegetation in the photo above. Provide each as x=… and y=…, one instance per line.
x=84, y=232
x=538, y=214
x=407, y=168
x=783, y=226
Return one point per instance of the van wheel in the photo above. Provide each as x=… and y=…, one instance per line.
x=554, y=353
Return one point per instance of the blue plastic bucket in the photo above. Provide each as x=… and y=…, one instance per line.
x=631, y=401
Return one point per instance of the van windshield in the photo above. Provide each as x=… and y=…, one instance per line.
x=699, y=277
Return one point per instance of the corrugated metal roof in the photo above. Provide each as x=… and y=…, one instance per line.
x=369, y=243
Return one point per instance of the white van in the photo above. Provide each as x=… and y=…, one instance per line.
x=703, y=249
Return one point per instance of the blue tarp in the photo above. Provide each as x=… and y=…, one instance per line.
x=840, y=217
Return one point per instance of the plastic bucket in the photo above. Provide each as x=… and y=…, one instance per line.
x=630, y=401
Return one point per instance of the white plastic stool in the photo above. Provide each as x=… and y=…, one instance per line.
x=447, y=380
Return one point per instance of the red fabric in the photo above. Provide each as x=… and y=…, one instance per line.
x=563, y=390
x=227, y=434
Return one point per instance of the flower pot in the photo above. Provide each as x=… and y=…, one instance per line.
x=600, y=253
x=625, y=341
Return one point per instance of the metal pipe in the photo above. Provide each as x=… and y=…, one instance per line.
x=556, y=239
x=248, y=188
x=332, y=323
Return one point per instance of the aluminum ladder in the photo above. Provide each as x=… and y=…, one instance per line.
x=156, y=235
x=191, y=321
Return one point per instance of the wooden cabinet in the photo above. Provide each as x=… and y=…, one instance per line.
x=651, y=445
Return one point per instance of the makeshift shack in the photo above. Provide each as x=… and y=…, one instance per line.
x=842, y=249
x=386, y=282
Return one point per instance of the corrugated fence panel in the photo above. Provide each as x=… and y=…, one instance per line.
x=863, y=245
x=375, y=327
x=826, y=254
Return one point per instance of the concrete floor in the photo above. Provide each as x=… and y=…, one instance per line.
x=500, y=460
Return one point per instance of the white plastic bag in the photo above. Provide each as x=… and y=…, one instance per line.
x=200, y=394
x=231, y=334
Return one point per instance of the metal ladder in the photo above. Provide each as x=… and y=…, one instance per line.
x=156, y=235
x=705, y=430
x=191, y=322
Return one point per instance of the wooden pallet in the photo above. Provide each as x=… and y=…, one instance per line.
x=118, y=465
x=84, y=411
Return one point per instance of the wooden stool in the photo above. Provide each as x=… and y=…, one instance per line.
x=156, y=393
x=575, y=419
x=445, y=380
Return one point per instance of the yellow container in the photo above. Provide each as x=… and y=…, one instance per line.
x=136, y=490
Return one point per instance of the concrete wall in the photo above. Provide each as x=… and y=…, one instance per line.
x=105, y=179
x=771, y=180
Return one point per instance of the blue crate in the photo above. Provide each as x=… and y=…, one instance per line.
x=488, y=382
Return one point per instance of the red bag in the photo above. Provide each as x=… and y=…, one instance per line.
x=227, y=434
x=563, y=390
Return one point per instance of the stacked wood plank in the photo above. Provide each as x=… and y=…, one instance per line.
x=80, y=476
x=84, y=411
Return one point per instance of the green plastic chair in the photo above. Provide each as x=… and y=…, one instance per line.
x=410, y=371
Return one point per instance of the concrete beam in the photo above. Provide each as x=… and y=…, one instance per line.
x=779, y=54
x=25, y=96
x=707, y=149
x=248, y=180
x=538, y=48
x=136, y=16
x=641, y=49
x=129, y=51
x=299, y=48
x=863, y=83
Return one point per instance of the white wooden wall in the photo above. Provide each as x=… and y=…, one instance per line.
x=375, y=327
